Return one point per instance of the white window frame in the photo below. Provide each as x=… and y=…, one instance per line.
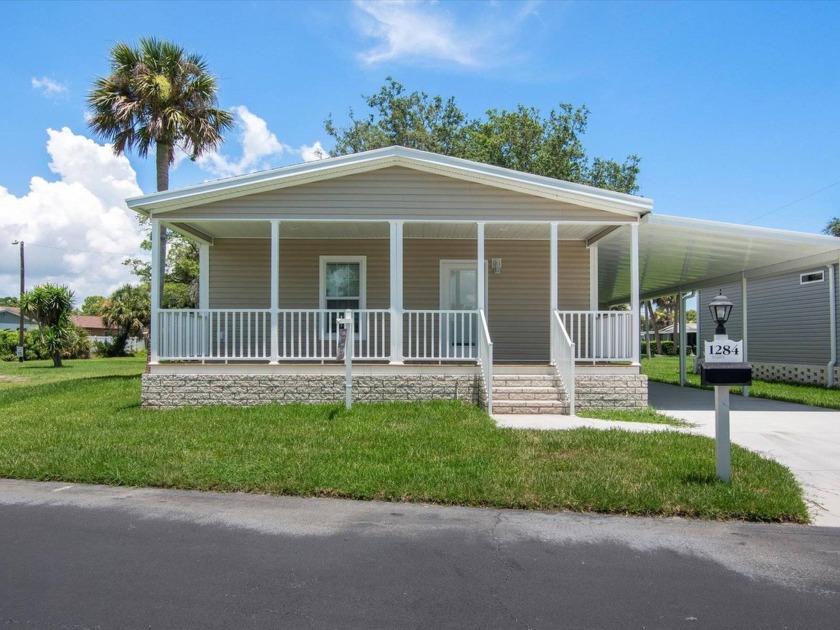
x=322, y=291
x=803, y=281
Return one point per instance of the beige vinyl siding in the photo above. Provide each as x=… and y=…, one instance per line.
x=518, y=298
x=395, y=193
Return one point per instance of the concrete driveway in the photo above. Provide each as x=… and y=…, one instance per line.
x=805, y=439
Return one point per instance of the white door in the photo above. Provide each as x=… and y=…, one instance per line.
x=459, y=292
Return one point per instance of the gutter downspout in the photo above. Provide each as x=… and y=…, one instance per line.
x=832, y=318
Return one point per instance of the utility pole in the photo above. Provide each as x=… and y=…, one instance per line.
x=20, y=303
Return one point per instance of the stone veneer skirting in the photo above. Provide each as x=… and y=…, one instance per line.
x=186, y=390
x=611, y=391
x=601, y=391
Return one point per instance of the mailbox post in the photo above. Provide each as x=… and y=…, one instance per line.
x=722, y=367
x=345, y=352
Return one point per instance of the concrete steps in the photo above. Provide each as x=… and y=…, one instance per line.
x=529, y=394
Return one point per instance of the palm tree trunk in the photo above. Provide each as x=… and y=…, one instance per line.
x=163, y=158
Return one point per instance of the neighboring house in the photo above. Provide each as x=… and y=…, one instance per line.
x=464, y=280
x=98, y=331
x=792, y=327
x=667, y=333
x=10, y=319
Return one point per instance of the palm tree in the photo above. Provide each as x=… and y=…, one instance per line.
x=128, y=310
x=51, y=306
x=158, y=94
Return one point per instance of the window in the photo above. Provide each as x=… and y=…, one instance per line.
x=343, y=285
x=811, y=277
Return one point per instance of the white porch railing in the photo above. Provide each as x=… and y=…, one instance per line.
x=441, y=335
x=312, y=334
x=216, y=334
x=485, y=359
x=245, y=335
x=600, y=335
x=563, y=357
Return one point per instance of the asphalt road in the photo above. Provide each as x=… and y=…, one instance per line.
x=95, y=557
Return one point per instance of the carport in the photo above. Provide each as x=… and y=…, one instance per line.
x=678, y=256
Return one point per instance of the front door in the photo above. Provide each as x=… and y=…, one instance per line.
x=459, y=292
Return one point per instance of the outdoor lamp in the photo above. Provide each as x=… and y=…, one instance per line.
x=721, y=308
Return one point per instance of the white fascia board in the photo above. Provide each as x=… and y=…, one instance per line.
x=355, y=163
x=735, y=229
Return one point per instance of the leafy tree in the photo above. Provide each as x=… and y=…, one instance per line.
x=50, y=305
x=691, y=316
x=180, y=287
x=127, y=309
x=9, y=300
x=92, y=305
x=522, y=139
x=158, y=94
x=832, y=228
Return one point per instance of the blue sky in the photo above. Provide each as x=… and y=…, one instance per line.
x=734, y=108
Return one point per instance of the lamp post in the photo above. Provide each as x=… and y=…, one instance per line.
x=20, y=304
x=722, y=367
x=721, y=309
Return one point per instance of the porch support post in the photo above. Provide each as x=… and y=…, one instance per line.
x=203, y=276
x=552, y=280
x=593, y=278
x=154, y=331
x=745, y=390
x=275, y=292
x=634, y=290
x=480, y=275
x=396, y=259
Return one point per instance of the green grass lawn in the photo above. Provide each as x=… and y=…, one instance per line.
x=667, y=370
x=649, y=416
x=83, y=423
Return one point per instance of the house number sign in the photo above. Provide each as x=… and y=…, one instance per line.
x=724, y=351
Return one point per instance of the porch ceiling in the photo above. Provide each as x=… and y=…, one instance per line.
x=377, y=230
x=678, y=253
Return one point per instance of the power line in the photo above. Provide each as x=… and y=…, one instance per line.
x=79, y=251
x=816, y=192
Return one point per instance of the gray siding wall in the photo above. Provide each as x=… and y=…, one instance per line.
x=788, y=322
x=518, y=298
x=395, y=193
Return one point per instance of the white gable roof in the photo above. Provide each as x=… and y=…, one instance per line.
x=494, y=176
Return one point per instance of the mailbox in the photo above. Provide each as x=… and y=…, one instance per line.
x=714, y=373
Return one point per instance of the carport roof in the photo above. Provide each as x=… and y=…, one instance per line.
x=677, y=253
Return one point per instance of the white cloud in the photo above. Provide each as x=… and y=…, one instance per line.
x=313, y=152
x=259, y=145
x=420, y=31
x=77, y=229
x=49, y=87
x=413, y=29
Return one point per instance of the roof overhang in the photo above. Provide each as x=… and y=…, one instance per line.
x=158, y=204
x=680, y=254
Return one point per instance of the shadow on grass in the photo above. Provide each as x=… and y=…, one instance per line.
x=700, y=479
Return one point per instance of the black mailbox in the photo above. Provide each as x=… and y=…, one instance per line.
x=725, y=373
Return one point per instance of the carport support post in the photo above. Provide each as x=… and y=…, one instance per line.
x=722, y=448
x=745, y=390
x=634, y=292
x=683, y=338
